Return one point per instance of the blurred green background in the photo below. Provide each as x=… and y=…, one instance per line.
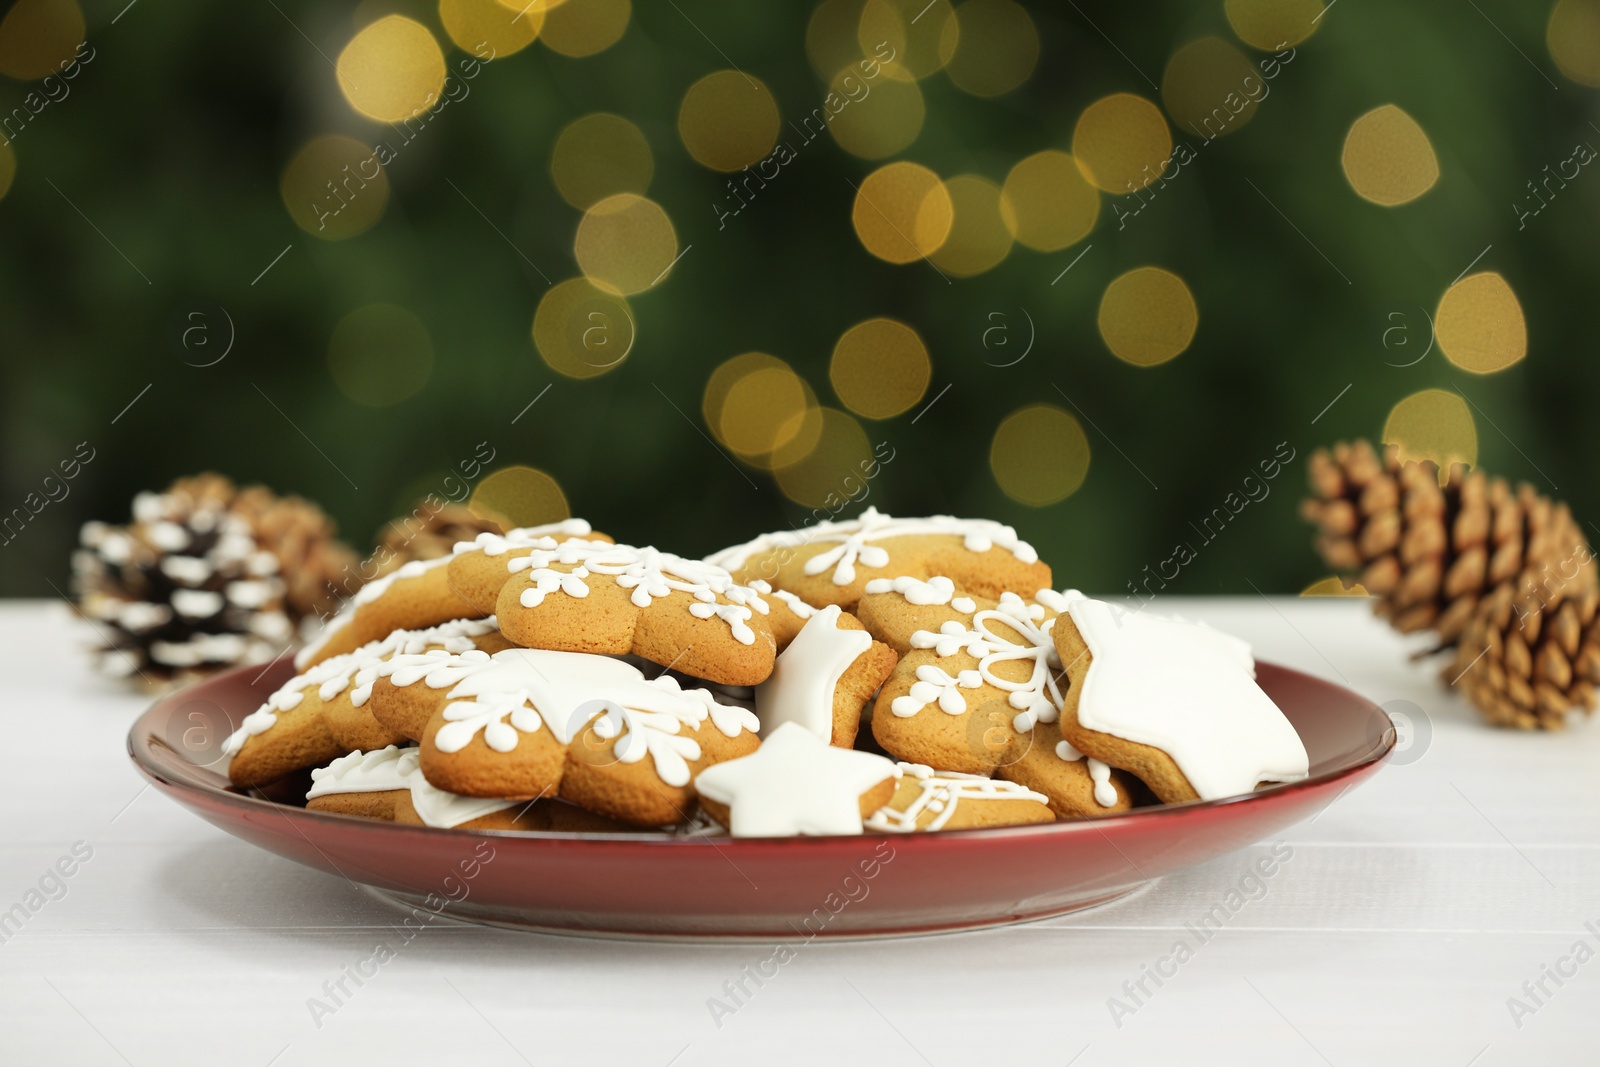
x=148, y=191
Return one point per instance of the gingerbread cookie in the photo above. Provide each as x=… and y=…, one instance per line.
x=925, y=800
x=478, y=568
x=529, y=723
x=1173, y=702
x=386, y=784
x=796, y=783
x=826, y=676
x=326, y=710
x=832, y=562
x=586, y=596
x=416, y=596
x=979, y=690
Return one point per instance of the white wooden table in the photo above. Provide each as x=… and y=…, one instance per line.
x=1407, y=917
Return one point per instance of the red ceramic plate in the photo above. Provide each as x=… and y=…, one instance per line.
x=695, y=887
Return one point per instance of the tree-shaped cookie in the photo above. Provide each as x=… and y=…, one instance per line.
x=832, y=562
x=979, y=690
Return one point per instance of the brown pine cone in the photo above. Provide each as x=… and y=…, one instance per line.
x=318, y=569
x=1525, y=662
x=1431, y=553
x=427, y=534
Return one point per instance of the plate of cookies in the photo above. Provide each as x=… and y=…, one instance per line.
x=869, y=727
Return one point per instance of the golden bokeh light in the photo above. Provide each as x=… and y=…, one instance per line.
x=1047, y=203
x=380, y=355
x=1039, y=455
x=1210, y=88
x=1479, y=324
x=8, y=168
x=722, y=380
x=519, y=496
x=1387, y=157
x=391, y=69
x=1433, y=424
x=924, y=35
x=483, y=27
x=979, y=237
x=1573, y=37
x=625, y=243
x=582, y=331
x=1273, y=24
x=600, y=155
x=39, y=37
x=998, y=47
x=1122, y=143
x=763, y=410
x=579, y=28
x=728, y=120
x=902, y=212
x=1147, y=316
x=1333, y=586
x=836, y=470
x=334, y=188
x=880, y=368
x=885, y=121
x=831, y=40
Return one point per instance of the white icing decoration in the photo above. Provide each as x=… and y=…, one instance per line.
x=649, y=573
x=547, y=536
x=794, y=603
x=941, y=793
x=336, y=673
x=795, y=783
x=854, y=539
x=801, y=686
x=1105, y=794
x=493, y=694
x=397, y=768
x=1187, y=690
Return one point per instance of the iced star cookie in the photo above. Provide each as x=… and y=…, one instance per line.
x=979, y=690
x=416, y=596
x=1173, y=702
x=586, y=596
x=327, y=710
x=832, y=562
x=478, y=568
x=589, y=729
x=925, y=800
x=796, y=783
x=824, y=679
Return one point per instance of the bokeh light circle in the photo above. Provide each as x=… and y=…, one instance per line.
x=391, y=69
x=885, y=121
x=1039, y=455
x=1433, y=424
x=39, y=38
x=519, y=496
x=1387, y=157
x=380, y=355
x=579, y=28
x=836, y=470
x=997, y=50
x=763, y=410
x=979, y=237
x=722, y=380
x=902, y=212
x=485, y=28
x=831, y=37
x=1479, y=324
x=728, y=120
x=1573, y=37
x=1273, y=24
x=880, y=368
x=1147, y=316
x=1208, y=86
x=1047, y=203
x=600, y=155
x=334, y=188
x=924, y=34
x=1122, y=143
x=581, y=331
x=625, y=243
